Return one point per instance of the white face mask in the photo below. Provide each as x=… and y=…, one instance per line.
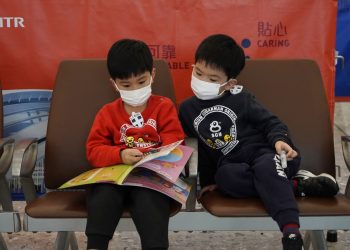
x=206, y=90
x=136, y=97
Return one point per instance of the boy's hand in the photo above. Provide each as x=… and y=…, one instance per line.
x=290, y=153
x=130, y=156
x=208, y=188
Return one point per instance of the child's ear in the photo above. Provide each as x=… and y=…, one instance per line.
x=230, y=84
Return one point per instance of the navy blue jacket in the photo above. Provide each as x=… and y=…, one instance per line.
x=234, y=126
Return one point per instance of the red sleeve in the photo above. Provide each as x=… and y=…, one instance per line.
x=100, y=149
x=170, y=129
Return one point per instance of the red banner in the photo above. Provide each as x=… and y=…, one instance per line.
x=36, y=35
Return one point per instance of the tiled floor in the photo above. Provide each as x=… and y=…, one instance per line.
x=201, y=240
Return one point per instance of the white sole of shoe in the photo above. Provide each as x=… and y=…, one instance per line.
x=305, y=173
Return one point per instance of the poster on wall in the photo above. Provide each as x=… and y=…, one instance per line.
x=35, y=36
x=342, y=80
x=25, y=116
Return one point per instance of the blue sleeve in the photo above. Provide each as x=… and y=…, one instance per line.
x=265, y=121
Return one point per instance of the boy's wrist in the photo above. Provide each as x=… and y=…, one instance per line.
x=121, y=155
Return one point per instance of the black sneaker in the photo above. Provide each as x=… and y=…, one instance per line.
x=292, y=242
x=315, y=185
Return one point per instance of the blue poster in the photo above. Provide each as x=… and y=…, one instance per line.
x=342, y=82
x=25, y=116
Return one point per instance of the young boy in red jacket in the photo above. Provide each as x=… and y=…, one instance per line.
x=122, y=131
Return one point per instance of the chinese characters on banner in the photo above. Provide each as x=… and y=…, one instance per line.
x=37, y=35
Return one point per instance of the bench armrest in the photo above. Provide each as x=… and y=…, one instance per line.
x=23, y=165
x=192, y=165
x=24, y=157
x=345, y=142
x=6, y=147
x=191, y=173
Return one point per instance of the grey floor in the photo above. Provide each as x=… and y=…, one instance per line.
x=201, y=240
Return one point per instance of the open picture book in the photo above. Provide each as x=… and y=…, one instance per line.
x=159, y=169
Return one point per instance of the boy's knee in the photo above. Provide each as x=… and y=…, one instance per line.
x=149, y=200
x=227, y=173
x=222, y=173
x=104, y=188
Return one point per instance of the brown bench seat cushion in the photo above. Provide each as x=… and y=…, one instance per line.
x=220, y=205
x=68, y=204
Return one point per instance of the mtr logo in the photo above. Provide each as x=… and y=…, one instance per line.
x=12, y=22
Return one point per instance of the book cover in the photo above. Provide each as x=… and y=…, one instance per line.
x=169, y=165
x=158, y=170
x=179, y=190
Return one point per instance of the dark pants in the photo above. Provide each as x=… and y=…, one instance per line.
x=149, y=210
x=262, y=177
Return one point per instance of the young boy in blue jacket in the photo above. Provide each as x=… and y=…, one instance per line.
x=240, y=141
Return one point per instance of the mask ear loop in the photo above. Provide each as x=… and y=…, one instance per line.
x=223, y=91
x=193, y=68
x=115, y=85
x=223, y=84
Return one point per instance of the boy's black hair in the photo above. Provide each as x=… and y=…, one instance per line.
x=128, y=57
x=221, y=52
